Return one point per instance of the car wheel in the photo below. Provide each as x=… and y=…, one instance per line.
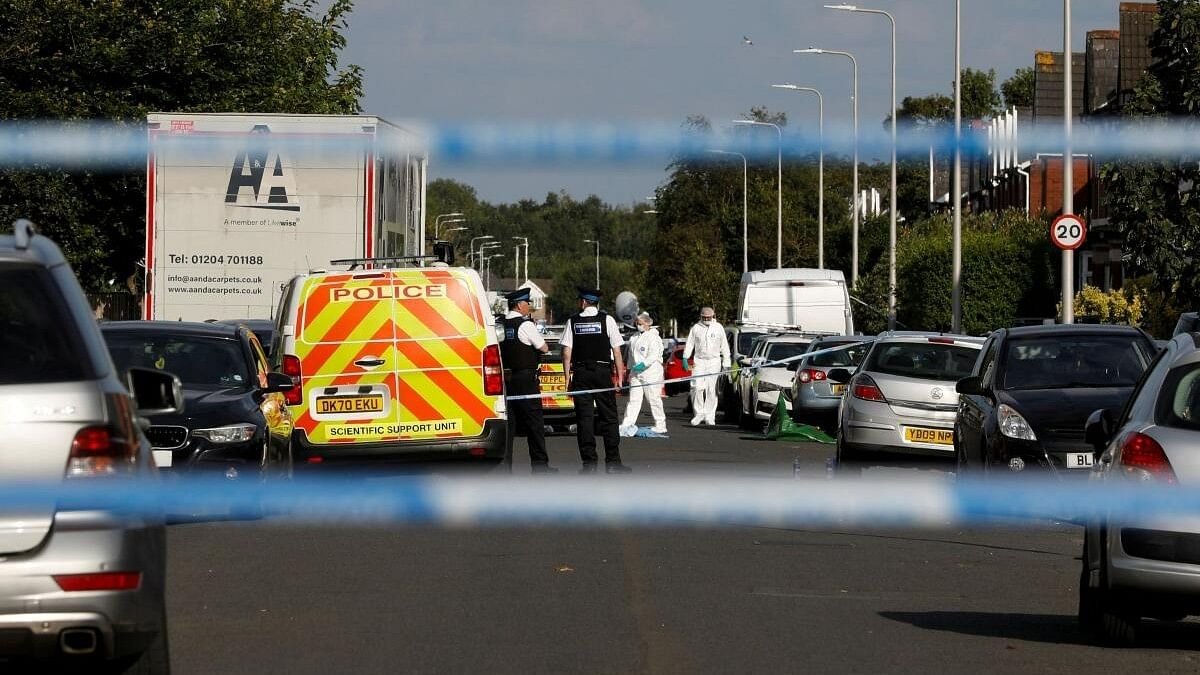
x=1099, y=616
x=849, y=459
x=156, y=660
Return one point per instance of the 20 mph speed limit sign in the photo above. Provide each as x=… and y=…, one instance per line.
x=1068, y=232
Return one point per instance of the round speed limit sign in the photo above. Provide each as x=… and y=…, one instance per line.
x=1068, y=232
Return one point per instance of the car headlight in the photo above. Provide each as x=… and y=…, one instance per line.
x=1013, y=425
x=769, y=386
x=234, y=433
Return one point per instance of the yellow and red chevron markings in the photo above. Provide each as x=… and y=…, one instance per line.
x=427, y=328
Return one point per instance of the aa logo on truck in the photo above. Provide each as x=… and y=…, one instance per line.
x=259, y=179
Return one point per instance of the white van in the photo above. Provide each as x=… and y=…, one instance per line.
x=807, y=300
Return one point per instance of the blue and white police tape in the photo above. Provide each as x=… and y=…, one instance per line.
x=688, y=378
x=639, y=500
x=126, y=146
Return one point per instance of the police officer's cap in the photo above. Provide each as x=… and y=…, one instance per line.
x=519, y=295
x=589, y=294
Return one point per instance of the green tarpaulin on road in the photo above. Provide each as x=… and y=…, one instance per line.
x=782, y=428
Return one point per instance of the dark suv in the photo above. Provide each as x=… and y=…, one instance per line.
x=237, y=423
x=1025, y=404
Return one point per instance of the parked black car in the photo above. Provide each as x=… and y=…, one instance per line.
x=235, y=420
x=1029, y=396
x=264, y=330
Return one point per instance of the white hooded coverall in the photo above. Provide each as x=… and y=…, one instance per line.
x=646, y=348
x=711, y=349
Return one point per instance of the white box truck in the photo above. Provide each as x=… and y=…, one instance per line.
x=798, y=299
x=238, y=204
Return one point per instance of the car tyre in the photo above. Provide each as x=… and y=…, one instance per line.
x=1099, y=617
x=156, y=660
x=848, y=459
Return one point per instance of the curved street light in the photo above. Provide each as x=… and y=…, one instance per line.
x=854, y=99
x=892, y=214
x=820, y=167
x=779, y=177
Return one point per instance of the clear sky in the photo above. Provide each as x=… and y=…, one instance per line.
x=661, y=60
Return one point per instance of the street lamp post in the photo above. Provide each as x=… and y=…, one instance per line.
x=820, y=168
x=745, y=239
x=956, y=181
x=1068, y=179
x=779, y=178
x=489, y=246
x=488, y=284
x=854, y=98
x=438, y=219
x=525, y=243
x=471, y=246
x=597, y=243
x=437, y=233
x=892, y=215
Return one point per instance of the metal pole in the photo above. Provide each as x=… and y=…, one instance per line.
x=956, y=293
x=745, y=217
x=526, y=261
x=779, y=201
x=1068, y=257
x=892, y=216
x=516, y=265
x=597, y=264
x=820, y=180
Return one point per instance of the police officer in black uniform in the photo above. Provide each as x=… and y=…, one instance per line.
x=520, y=349
x=591, y=346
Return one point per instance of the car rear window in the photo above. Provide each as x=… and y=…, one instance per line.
x=199, y=362
x=922, y=360
x=784, y=350
x=842, y=358
x=39, y=342
x=1065, y=361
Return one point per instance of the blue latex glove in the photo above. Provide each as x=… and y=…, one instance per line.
x=638, y=368
x=686, y=367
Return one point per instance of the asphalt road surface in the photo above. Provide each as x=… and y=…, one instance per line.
x=271, y=597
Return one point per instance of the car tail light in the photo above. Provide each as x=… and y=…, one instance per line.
x=866, y=389
x=101, y=451
x=1142, y=458
x=99, y=581
x=810, y=375
x=493, y=373
x=291, y=368
x=942, y=340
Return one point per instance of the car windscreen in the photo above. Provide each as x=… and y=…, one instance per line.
x=39, y=341
x=783, y=350
x=849, y=357
x=555, y=353
x=1074, y=361
x=745, y=342
x=922, y=360
x=199, y=362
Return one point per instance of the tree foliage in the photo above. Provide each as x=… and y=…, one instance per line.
x=1153, y=202
x=118, y=61
x=1018, y=89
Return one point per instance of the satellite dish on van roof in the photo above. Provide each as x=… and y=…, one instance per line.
x=627, y=307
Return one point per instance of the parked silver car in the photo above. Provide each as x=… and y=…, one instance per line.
x=902, y=399
x=79, y=588
x=1147, y=567
x=815, y=398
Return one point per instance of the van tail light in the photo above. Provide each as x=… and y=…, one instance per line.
x=291, y=368
x=493, y=372
x=807, y=375
x=101, y=451
x=1142, y=458
x=866, y=389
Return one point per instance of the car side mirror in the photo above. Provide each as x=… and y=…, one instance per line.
x=742, y=361
x=971, y=386
x=277, y=383
x=154, y=392
x=839, y=375
x=1098, y=430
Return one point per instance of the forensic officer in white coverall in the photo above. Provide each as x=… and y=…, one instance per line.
x=707, y=342
x=645, y=366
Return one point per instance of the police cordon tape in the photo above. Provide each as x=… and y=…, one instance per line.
x=639, y=500
x=688, y=378
x=125, y=146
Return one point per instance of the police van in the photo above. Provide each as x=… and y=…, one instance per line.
x=392, y=364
